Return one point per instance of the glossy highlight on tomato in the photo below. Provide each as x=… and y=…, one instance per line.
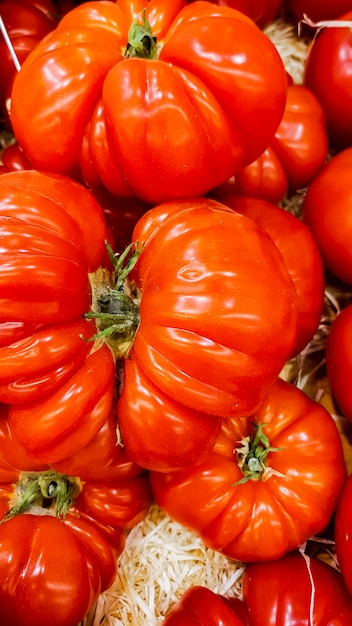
x=157, y=128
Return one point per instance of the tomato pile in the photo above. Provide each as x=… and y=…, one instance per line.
x=157, y=293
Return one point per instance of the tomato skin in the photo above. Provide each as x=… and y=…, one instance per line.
x=158, y=432
x=41, y=558
x=294, y=157
x=296, y=589
x=301, y=255
x=261, y=12
x=181, y=92
x=200, y=606
x=56, y=426
x=327, y=73
x=318, y=10
x=200, y=245
x=342, y=533
x=283, y=507
x=327, y=212
x=339, y=361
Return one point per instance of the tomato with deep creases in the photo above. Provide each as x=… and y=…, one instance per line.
x=199, y=606
x=155, y=121
x=301, y=256
x=296, y=154
x=327, y=211
x=262, y=492
x=343, y=533
x=60, y=389
x=338, y=360
x=297, y=589
x=328, y=73
x=217, y=307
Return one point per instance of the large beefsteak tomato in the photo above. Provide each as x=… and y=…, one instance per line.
x=271, y=481
x=59, y=386
x=218, y=309
x=296, y=590
x=159, y=120
x=343, y=533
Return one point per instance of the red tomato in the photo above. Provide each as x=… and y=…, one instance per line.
x=200, y=606
x=26, y=24
x=261, y=11
x=298, y=150
x=259, y=495
x=215, y=298
x=343, y=533
x=318, y=10
x=339, y=360
x=296, y=590
x=60, y=389
x=171, y=126
x=328, y=73
x=45, y=575
x=158, y=432
x=327, y=210
x=301, y=257
x=13, y=159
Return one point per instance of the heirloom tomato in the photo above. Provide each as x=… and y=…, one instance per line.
x=26, y=23
x=328, y=73
x=296, y=590
x=343, y=534
x=318, y=10
x=151, y=115
x=327, y=211
x=272, y=480
x=295, y=155
x=217, y=307
x=301, y=256
x=60, y=386
x=338, y=358
x=199, y=606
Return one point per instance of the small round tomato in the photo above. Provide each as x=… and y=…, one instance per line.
x=339, y=360
x=328, y=73
x=261, y=492
x=200, y=606
x=296, y=590
x=327, y=210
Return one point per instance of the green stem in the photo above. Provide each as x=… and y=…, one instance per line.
x=141, y=41
x=252, y=455
x=48, y=490
x=115, y=305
